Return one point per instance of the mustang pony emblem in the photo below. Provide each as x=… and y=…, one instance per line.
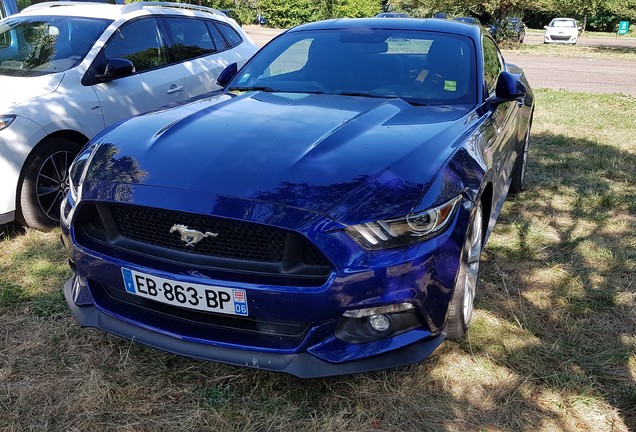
x=191, y=236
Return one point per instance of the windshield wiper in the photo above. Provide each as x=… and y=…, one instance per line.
x=372, y=95
x=252, y=88
x=364, y=94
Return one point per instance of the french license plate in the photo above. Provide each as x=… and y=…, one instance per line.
x=207, y=298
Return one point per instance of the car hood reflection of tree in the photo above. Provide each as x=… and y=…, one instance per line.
x=321, y=153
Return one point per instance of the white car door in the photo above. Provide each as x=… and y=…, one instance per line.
x=206, y=47
x=156, y=82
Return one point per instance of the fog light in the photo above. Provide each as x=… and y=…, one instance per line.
x=380, y=323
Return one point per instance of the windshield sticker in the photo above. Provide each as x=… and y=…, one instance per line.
x=450, y=86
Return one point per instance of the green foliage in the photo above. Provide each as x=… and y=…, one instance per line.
x=356, y=8
x=288, y=13
x=599, y=14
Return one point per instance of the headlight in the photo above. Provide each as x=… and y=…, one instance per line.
x=6, y=120
x=78, y=169
x=412, y=228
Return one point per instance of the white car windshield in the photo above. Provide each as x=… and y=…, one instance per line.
x=562, y=23
x=32, y=46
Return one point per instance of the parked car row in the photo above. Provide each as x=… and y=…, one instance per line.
x=68, y=71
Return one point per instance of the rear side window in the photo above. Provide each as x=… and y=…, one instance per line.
x=231, y=36
x=191, y=37
x=140, y=42
x=219, y=42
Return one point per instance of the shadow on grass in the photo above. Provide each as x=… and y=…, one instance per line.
x=613, y=49
x=11, y=230
x=567, y=258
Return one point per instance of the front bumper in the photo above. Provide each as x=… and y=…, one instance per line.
x=560, y=39
x=303, y=365
x=291, y=328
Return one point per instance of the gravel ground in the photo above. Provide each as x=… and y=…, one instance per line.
x=577, y=74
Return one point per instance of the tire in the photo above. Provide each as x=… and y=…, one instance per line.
x=518, y=175
x=463, y=301
x=44, y=182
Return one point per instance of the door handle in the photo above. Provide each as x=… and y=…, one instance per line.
x=174, y=89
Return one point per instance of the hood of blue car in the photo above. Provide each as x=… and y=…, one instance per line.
x=351, y=158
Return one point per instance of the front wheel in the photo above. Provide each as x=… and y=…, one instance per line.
x=463, y=301
x=44, y=182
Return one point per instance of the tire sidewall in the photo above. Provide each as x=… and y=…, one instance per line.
x=30, y=212
x=456, y=323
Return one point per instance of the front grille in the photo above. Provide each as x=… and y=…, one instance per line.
x=236, y=246
x=235, y=239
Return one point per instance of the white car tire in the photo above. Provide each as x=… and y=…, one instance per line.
x=44, y=182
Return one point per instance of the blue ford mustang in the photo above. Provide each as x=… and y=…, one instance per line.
x=324, y=214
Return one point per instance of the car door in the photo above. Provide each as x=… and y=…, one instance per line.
x=499, y=127
x=155, y=82
x=200, y=51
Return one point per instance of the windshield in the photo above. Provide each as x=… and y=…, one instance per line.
x=32, y=46
x=418, y=66
x=562, y=23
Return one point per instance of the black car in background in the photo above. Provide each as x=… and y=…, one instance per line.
x=508, y=29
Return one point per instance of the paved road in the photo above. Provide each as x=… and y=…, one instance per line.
x=577, y=74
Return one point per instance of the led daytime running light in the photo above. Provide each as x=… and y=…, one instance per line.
x=403, y=231
x=381, y=310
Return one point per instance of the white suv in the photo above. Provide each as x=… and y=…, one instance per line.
x=67, y=70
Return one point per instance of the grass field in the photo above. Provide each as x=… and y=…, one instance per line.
x=552, y=347
x=569, y=51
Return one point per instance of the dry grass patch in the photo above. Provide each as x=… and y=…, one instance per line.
x=568, y=51
x=552, y=348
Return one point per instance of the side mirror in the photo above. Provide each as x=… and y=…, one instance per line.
x=226, y=76
x=116, y=67
x=509, y=88
x=545, y=27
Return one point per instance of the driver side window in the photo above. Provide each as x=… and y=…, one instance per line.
x=140, y=42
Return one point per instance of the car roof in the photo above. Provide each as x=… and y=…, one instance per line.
x=116, y=11
x=425, y=24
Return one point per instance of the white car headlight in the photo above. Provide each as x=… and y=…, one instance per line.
x=6, y=120
x=412, y=228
